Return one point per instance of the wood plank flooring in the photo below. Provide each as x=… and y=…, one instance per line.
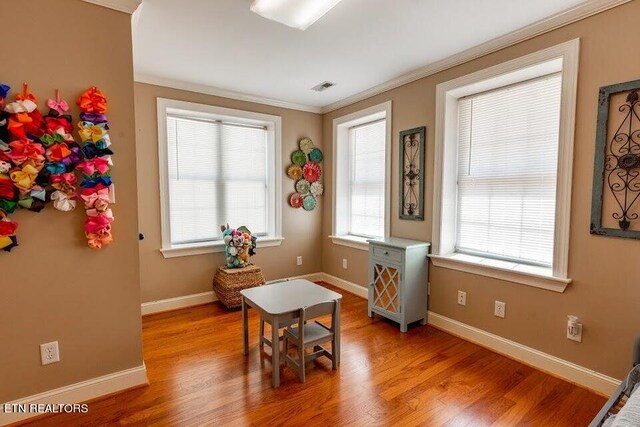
x=199, y=377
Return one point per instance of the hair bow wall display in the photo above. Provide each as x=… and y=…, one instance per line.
x=38, y=153
x=62, y=154
x=93, y=129
x=306, y=173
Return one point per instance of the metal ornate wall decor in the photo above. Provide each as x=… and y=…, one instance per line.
x=412, y=144
x=615, y=209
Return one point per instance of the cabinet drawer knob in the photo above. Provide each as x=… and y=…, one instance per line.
x=386, y=252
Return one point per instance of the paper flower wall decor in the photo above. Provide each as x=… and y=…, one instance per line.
x=306, y=172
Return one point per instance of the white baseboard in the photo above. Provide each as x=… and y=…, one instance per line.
x=78, y=392
x=569, y=371
x=357, y=290
x=202, y=298
x=177, y=302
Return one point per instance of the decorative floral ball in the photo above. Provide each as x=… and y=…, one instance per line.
x=306, y=145
x=303, y=186
x=311, y=172
x=315, y=155
x=298, y=157
x=296, y=200
x=309, y=203
x=294, y=172
x=316, y=189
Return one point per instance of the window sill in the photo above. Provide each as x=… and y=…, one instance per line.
x=351, y=242
x=537, y=277
x=212, y=247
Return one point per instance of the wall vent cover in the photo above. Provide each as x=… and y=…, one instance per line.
x=323, y=86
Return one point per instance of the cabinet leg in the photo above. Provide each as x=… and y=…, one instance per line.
x=423, y=321
x=403, y=327
x=370, y=313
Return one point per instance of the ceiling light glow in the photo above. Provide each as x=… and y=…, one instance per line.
x=293, y=13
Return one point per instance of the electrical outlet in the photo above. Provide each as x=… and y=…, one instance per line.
x=344, y=263
x=299, y=260
x=500, y=309
x=462, y=298
x=574, y=329
x=49, y=352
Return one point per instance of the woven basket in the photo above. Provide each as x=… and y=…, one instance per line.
x=228, y=282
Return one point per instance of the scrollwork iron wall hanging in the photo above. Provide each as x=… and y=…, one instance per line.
x=615, y=209
x=412, y=147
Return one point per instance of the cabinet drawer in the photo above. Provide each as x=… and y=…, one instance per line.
x=385, y=253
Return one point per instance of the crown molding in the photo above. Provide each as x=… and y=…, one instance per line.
x=224, y=93
x=126, y=6
x=577, y=13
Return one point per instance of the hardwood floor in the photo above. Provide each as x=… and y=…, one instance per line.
x=199, y=377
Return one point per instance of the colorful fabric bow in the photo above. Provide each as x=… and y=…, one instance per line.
x=4, y=90
x=67, y=178
x=57, y=152
x=91, y=132
x=92, y=101
x=58, y=125
x=62, y=201
x=94, y=118
x=59, y=106
x=24, y=178
x=98, y=200
x=97, y=240
x=7, y=190
x=55, y=168
x=97, y=221
x=24, y=149
x=99, y=164
x=99, y=180
x=90, y=151
x=20, y=107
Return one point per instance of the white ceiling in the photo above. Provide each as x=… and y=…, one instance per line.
x=358, y=44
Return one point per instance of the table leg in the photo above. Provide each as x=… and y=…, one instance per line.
x=275, y=351
x=337, y=332
x=245, y=326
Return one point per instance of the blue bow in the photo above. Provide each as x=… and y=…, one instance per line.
x=55, y=168
x=90, y=183
x=90, y=151
x=4, y=90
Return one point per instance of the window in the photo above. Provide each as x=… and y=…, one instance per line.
x=366, y=183
x=361, y=176
x=504, y=148
x=507, y=164
x=217, y=166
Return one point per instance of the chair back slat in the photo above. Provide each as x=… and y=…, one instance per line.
x=317, y=310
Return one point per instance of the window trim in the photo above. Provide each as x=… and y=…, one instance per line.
x=445, y=169
x=274, y=157
x=341, y=126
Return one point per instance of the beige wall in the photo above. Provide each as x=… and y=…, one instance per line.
x=162, y=278
x=606, y=273
x=53, y=286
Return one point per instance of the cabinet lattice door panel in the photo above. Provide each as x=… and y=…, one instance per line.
x=398, y=280
x=386, y=287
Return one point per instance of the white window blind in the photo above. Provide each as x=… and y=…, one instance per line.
x=507, y=168
x=367, y=175
x=217, y=174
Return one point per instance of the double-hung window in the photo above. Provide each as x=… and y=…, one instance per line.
x=504, y=147
x=361, y=176
x=217, y=166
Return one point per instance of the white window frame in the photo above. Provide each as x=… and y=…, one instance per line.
x=341, y=125
x=273, y=125
x=562, y=57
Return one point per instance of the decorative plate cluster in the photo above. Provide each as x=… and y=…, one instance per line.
x=306, y=173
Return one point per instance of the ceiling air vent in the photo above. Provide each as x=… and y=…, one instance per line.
x=323, y=86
